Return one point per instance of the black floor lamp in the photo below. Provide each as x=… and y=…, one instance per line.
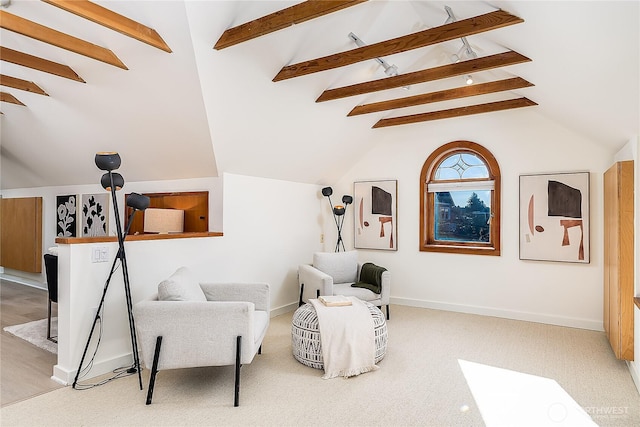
x=338, y=214
x=113, y=182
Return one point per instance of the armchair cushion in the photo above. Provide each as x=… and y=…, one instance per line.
x=341, y=266
x=180, y=286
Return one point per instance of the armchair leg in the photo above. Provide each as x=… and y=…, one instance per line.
x=236, y=398
x=387, y=311
x=154, y=369
x=300, y=302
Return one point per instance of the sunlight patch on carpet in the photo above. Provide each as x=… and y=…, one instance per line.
x=509, y=398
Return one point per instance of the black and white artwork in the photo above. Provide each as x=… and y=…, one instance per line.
x=95, y=218
x=66, y=209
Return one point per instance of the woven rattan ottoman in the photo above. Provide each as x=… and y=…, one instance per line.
x=305, y=335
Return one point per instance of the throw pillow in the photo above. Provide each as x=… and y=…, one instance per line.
x=180, y=286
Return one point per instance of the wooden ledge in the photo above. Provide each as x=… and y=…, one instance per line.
x=136, y=237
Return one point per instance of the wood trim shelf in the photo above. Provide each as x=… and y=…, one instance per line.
x=136, y=237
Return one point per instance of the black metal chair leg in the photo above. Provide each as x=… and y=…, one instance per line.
x=154, y=370
x=236, y=398
x=49, y=324
x=318, y=293
x=387, y=311
x=300, y=302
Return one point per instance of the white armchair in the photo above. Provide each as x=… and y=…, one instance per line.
x=333, y=273
x=190, y=324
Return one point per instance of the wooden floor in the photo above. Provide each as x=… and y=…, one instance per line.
x=25, y=370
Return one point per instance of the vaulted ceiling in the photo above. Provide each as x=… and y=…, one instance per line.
x=186, y=89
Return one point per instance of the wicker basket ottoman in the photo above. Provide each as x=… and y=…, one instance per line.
x=305, y=335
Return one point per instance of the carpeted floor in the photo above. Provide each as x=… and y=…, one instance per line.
x=420, y=382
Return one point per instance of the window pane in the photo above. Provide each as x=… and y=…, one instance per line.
x=462, y=216
x=461, y=166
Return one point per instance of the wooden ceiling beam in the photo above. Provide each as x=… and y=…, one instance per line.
x=25, y=85
x=56, y=38
x=7, y=97
x=456, y=112
x=37, y=63
x=430, y=74
x=281, y=19
x=112, y=20
x=431, y=36
x=442, y=95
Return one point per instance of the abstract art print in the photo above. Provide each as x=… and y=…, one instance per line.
x=375, y=210
x=66, y=208
x=554, y=217
x=94, y=215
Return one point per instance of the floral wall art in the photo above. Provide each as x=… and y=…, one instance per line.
x=95, y=215
x=66, y=208
x=554, y=217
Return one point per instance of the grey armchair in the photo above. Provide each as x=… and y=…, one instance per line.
x=189, y=324
x=333, y=273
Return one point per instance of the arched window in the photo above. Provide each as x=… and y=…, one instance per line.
x=460, y=200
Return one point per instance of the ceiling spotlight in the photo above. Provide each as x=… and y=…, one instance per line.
x=469, y=80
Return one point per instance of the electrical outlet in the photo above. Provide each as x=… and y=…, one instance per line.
x=100, y=254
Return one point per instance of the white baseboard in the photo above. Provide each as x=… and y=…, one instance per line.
x=65, y=376
x=23, y=281
x=507, y=314
x=284, y=309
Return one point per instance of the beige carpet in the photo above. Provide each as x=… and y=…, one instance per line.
x=420, y=382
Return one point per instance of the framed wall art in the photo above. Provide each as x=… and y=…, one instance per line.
x=554, y=217
x=376, y=219
x=66, y=209
x=95, y=215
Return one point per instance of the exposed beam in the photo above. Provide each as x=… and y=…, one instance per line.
x=112, y=20
x=281, y=19
x=430, y=74
x=442, y=95
x=456, y=112
x=7, y=97
x=56, y=38
x=17, y=83
x=454, y=30
x=40, y=64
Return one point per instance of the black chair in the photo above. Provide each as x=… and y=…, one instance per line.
x=51, y=270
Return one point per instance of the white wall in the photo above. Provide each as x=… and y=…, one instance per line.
x=270, y=227
x=557, y=293
x=49, y=215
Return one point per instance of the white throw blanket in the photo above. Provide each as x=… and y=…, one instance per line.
x=347, y=337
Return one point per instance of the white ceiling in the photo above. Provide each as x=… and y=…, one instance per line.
x=198, y=112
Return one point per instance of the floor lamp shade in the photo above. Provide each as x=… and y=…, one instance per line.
x=108, y=161
x=138, y=201
x=118, y=181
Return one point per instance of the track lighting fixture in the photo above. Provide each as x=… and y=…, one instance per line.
x=389, y=70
